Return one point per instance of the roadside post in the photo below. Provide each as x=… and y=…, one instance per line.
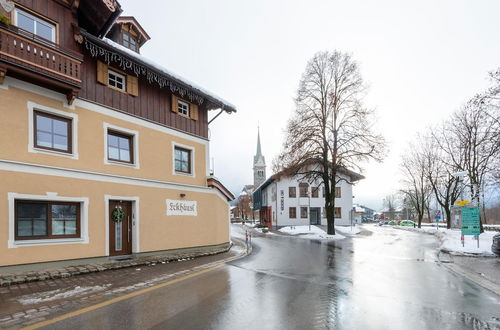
x=437, y=217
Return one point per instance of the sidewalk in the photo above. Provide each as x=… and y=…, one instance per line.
x=484, y=271
x=62, y=269
x=32, y=302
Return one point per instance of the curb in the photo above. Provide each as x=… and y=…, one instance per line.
x=64, y=272
x=474, y=277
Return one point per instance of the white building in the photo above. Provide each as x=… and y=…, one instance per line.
x=284, y=200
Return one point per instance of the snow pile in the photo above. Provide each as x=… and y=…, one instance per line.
x=60, y=294
x=450, y=241
x=348, y=230
x=314, y=233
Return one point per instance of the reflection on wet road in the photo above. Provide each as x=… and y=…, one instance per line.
x=389, y=279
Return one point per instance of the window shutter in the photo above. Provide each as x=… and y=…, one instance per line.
x=174, y=104
x=194, y=111
x=102, y=73
x=132, y=85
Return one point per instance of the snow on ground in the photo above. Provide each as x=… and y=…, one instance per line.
x=450, y=241
x=348, y=230
x=37, y=298
x=314, y=233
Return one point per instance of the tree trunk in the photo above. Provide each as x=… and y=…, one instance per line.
x=448, y=217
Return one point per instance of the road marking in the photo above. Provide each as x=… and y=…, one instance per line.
x=117, y=299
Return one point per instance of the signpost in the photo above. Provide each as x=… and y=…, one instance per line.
x=437, y=217
x=470, y=222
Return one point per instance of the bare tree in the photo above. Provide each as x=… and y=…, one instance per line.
x=416, y=186
x=390, y=203
x=330, y=130
x=445, y=186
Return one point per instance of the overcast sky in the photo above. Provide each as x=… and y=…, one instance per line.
x=422, y=60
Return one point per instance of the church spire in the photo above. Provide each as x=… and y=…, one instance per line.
x=259, y=152
x=259, y=164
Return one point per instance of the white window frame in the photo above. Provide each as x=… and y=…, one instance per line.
x=53, y=197
x=136, y=246
x=36, y=19
x=180, y=108
x=31, y=137
x=118, y=75
x=191, y=149
x=135, y=141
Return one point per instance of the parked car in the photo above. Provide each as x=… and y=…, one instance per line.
x=408, y=223
x=495, y=247
x=393, y=223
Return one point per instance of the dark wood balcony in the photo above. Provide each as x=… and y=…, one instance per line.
x=40, y=61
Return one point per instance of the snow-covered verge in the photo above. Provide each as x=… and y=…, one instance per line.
x=348, y=230
x=314, y=233
x=451, y=243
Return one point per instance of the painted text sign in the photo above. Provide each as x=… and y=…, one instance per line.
x=470, y=221
x=176, y=207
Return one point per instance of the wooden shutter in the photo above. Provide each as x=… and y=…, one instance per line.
x=132, y=85
x=102, y=73
x=193, y=111
x=174, y=106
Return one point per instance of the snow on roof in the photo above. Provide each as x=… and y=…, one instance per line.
x=162, y=69
x=243, y=193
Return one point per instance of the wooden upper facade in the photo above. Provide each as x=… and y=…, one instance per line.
x=84, y=49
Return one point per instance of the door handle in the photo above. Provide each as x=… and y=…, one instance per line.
x=128, y=228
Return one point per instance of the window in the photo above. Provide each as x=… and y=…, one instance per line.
x=182, y=160
x=292, y=192
x=183, y=108
x=303, y=190
x=129, y=41
x=337, y=212
x=37, y=219
x=337, y=192
x=120, y=147
x=52, y=132
x=35, y=25
x=292, y=212
x=116, y=80
x=303, y=212
x=314, y=192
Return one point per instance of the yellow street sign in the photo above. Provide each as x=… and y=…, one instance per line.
x=462, y=203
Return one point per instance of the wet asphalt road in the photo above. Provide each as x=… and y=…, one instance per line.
x=382, y=279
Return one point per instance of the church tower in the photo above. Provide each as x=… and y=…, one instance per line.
x=259, y=165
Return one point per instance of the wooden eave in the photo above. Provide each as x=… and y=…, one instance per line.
x=214, y=183
x=133, y=22
x=99, y=48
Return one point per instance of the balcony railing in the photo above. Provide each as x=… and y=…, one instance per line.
x=24, y=49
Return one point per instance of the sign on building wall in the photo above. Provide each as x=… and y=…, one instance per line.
x=282, y=193
x=175, y=207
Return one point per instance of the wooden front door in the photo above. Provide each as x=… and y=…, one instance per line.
x=120, y=231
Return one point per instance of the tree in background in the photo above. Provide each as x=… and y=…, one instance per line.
x=445, y=187
x=330, y=128
x=416, y=186
x=390, y=203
